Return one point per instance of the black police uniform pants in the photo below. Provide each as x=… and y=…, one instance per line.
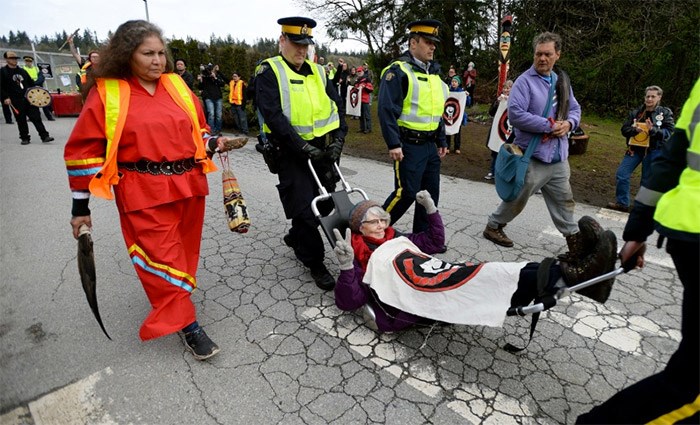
x=27, y=111
x=419, y=170
x=673, y=393
x=296, y=190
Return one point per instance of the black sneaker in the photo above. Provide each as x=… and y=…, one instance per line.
x=322, y=277
x=201, y=346
x=47, y=139
x=25, y=142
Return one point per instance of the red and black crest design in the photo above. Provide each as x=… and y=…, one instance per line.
x=452, y=112
x=504, y=127
x=428, y=274
x=354, y=96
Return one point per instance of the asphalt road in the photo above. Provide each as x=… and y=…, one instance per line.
x=288, y=354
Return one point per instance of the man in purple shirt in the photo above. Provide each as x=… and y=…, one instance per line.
x=549, y=167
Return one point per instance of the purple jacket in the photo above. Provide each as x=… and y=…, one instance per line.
x=351, y=293
x=525, y=107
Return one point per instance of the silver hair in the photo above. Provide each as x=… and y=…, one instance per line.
x=547, y=37
x=378, y=212
x=656, y=88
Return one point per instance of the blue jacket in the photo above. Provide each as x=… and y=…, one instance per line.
x=525, y=107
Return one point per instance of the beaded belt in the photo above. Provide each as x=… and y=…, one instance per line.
x=167, y=168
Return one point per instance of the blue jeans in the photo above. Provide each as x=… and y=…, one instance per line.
x=627, y=167
x=240, y=117
x=214, y=111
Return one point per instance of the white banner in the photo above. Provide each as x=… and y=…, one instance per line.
x=466, y=294
x=453, y=113
x=353, y=101
x=501, y=128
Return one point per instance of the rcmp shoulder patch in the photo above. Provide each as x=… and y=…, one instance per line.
x=262, y=68
x=389, y=76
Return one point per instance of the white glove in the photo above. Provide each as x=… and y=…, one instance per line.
x=423, y=197
x=343, y=250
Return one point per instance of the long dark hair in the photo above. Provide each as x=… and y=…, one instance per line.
x=116, y=56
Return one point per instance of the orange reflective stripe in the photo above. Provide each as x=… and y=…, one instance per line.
x=115, y=96
x=180, y=93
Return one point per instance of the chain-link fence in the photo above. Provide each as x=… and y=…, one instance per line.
x=59, y=69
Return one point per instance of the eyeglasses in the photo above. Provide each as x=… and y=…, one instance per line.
x=376, y=221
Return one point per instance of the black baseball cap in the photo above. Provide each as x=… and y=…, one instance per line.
x=298, y=29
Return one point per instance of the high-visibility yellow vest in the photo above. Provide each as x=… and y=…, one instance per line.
x=679, y=208
x=115, y=96
x=425, y=100
x=304, y=100
x=32, y=71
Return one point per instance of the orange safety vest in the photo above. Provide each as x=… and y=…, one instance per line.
x=83, y=72
x=236, y=94
x=115, y=95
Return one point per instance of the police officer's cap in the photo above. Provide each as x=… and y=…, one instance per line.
x=427, y=28
x=28, y=58
x=298, y=29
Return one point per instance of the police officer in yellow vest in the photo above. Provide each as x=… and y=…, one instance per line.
x=412, y=96
x=38, y=78
x=670, y=202
x=300, y=108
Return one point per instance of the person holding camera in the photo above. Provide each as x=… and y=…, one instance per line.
x=646, y=129
x=210, y=84
x=303, y=120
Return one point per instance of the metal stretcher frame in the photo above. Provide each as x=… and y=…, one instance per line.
x=561, y=293
x=339, y=217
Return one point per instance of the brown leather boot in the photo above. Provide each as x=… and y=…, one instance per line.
x=600, y=261
x=582, y=243
x=497, y=236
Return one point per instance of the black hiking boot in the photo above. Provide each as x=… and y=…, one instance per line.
x=600, y=261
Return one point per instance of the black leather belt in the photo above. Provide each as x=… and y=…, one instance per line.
x=417, y=137
x=167, y=168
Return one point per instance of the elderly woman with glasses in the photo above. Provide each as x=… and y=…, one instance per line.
x=396, y=280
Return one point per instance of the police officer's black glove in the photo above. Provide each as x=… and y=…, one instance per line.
x=335, y=149
x=314, y=153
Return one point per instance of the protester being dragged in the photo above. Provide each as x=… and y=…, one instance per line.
x=501, y=129
x=365, y=84
x=142, y=134
x=395, y=275
x=646, y=129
